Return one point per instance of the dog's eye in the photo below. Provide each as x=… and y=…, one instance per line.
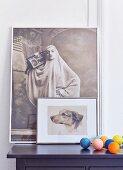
x=66, y=114
x=63, y=114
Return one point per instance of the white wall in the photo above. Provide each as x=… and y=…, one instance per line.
x=44, y=13
x=113, y=67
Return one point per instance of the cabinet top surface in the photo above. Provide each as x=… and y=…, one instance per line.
x=58, y=151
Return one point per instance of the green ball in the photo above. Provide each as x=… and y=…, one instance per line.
x=98, y=137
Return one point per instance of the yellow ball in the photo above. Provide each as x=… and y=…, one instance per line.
x=113, y=147
x=104, y=138
x=118, y=139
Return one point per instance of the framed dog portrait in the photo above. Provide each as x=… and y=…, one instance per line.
x=50, y=63
x=66, y=120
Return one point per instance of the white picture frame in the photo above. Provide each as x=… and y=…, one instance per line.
x=82, y=56
x=52, y=127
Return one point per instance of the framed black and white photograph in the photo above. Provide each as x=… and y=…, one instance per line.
x=66, y=120
x=49, y=63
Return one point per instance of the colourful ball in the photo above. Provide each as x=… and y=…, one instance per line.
x=118, y=139
x=99, y=136
x=113, y=147
x=97, y=144
x=104, y=138
x=108, y=142
x=85, y=143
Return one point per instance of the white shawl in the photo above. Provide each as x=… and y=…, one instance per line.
x=55, y=79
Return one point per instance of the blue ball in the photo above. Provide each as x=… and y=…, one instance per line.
x=85, y=143
x=108, y=141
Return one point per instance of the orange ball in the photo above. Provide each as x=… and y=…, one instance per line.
x=113, y=147
x=104, y=138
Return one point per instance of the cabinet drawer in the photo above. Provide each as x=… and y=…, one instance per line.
x=55, y=168
x=106, y=168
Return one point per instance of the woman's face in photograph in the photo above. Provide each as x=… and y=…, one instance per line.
x=53, y=53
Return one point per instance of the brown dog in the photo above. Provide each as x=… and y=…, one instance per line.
x=71, y=119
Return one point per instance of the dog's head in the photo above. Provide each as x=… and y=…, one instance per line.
x=67, y=117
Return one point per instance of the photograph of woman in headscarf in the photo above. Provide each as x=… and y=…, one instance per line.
x=49, y=63
x=54, y=78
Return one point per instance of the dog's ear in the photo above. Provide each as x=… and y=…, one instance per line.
x=77, y=119
x=76, y=116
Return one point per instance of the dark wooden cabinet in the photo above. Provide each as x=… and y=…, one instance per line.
x=63, y=157
x=106, y=168
x=54, y=168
